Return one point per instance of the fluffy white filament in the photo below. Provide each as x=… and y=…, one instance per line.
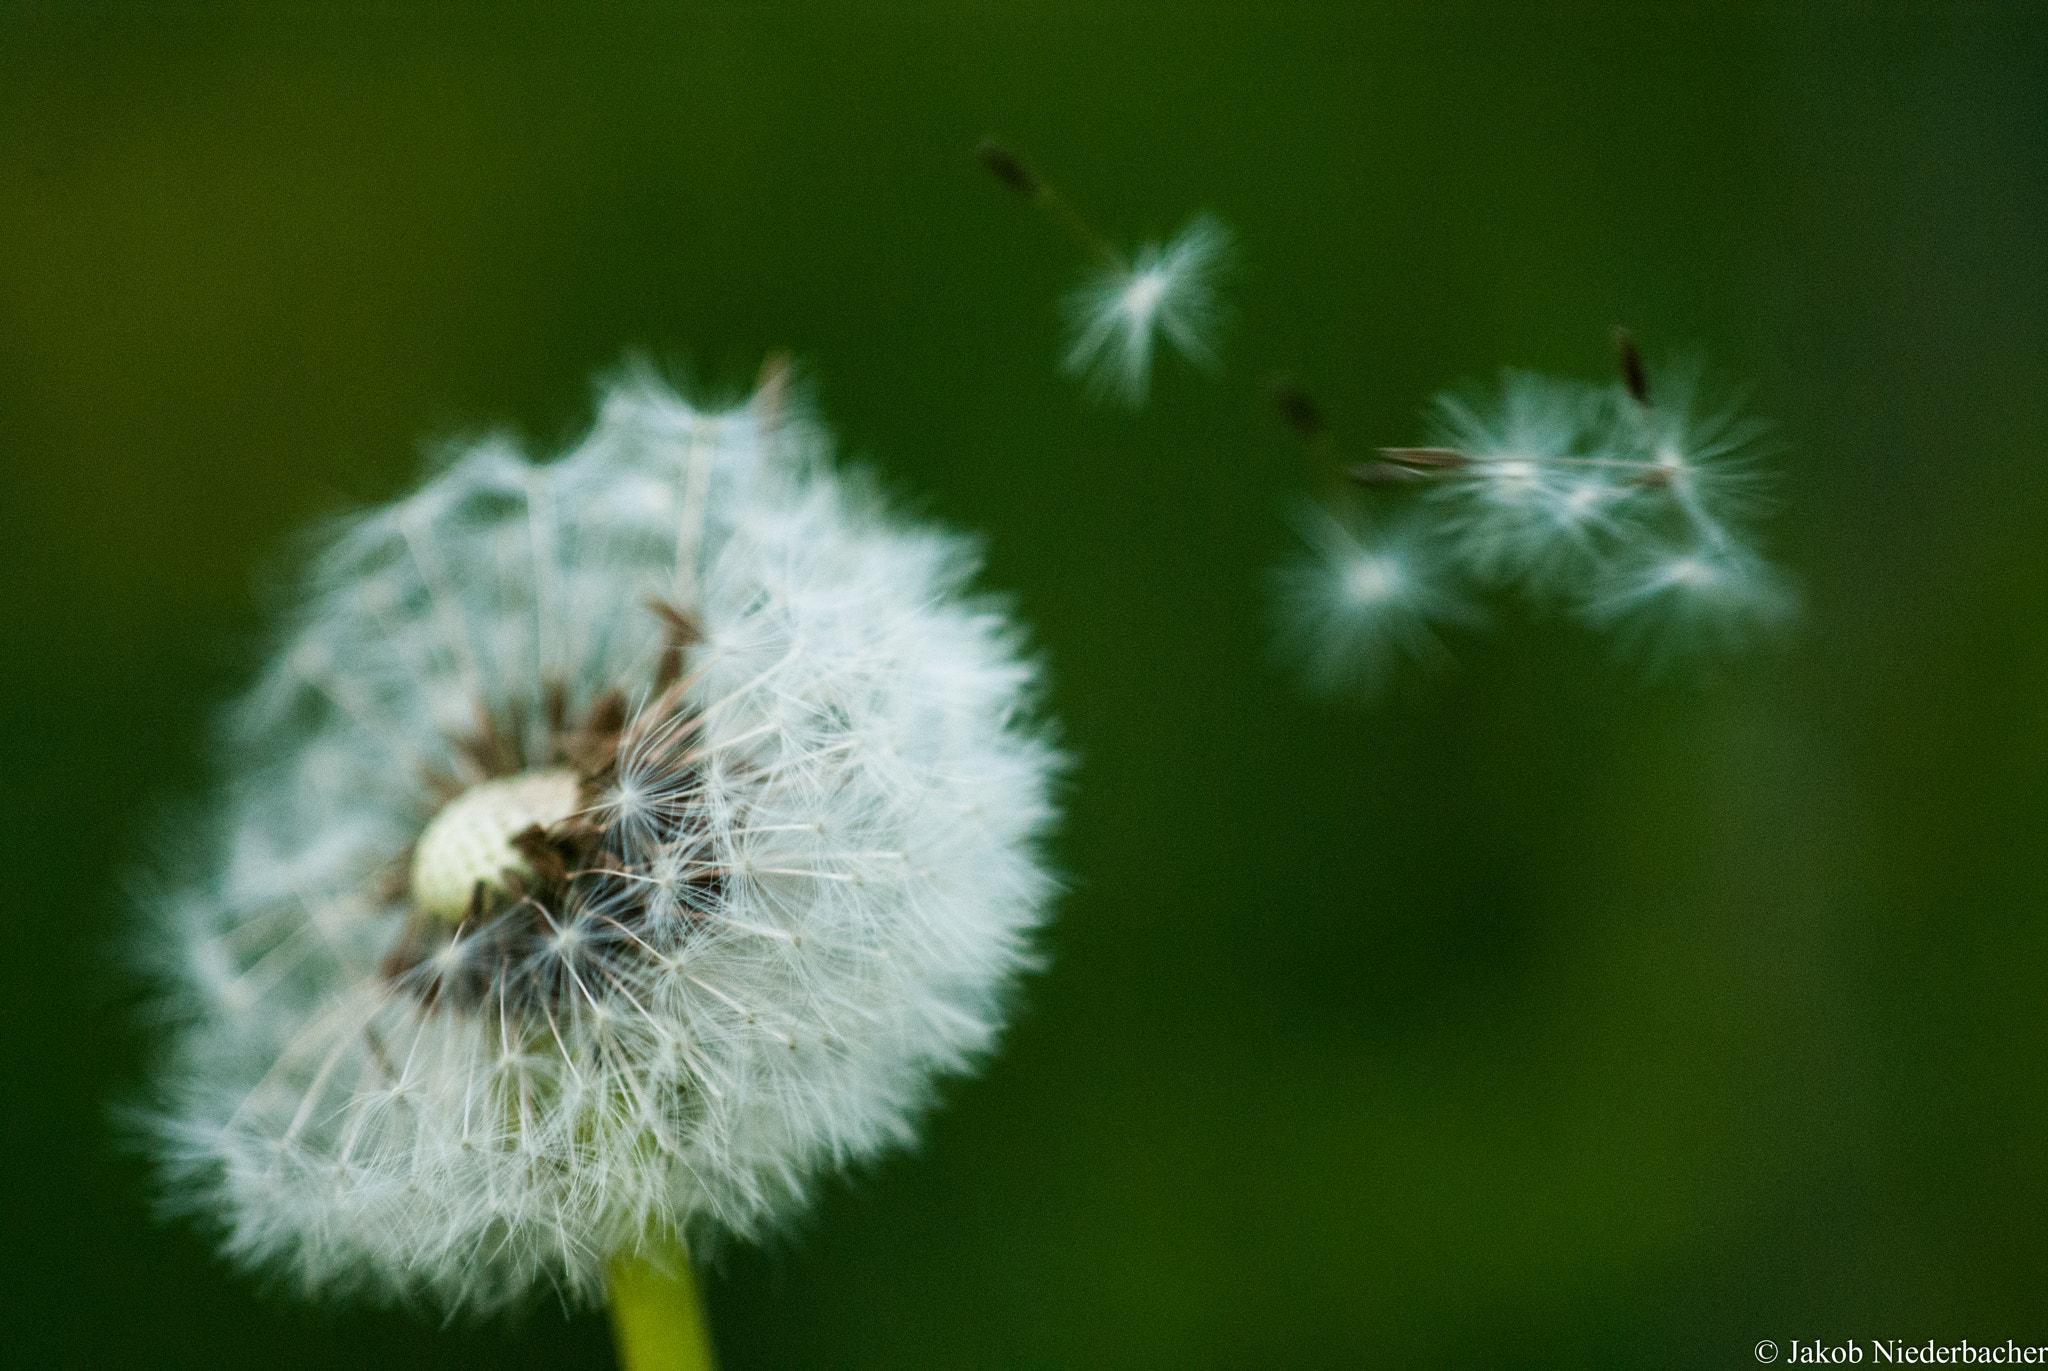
x=1363, y=601
x=802, y=878
x=1116, y=315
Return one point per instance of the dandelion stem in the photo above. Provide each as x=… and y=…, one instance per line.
x=657, y=1319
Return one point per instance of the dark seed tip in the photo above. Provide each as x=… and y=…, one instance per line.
x=1631, y=363
x=1005, y=167
x=1297, y=409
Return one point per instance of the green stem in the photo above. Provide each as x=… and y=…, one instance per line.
x=657, y=1319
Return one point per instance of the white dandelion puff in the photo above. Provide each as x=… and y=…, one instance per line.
x=1363, y=601
x=1167, y=290
x=613, y=846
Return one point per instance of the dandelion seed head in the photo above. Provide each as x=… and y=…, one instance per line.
x=536, y=918
x=469, y=842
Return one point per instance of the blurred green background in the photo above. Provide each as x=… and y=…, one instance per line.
x=1539, y=1017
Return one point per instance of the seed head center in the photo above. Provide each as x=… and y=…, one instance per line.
x=470, y=840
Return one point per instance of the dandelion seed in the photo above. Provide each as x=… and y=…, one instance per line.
x=1520, y=507
x=1626, y=504
x=1170, y=290
x=1709, y=456
x=1672, y=604
x=657, y=913
x=1362, y=602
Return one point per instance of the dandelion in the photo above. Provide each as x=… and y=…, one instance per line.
x=613, y=846
x=1167, y=290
